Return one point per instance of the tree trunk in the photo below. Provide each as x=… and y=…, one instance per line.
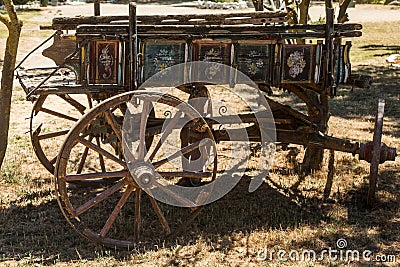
x=343, y=16
x=303, y=16
x=14, y=26
x=291, y=8
x=328, y=4
x=303, y=7
x=258, y=5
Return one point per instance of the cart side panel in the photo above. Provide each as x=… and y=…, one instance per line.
x=160, y=54
x=298, y=63
x=208, y=50
x=256, y=59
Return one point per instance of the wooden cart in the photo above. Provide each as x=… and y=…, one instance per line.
x=79, y=108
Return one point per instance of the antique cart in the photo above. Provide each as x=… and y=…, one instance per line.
x=77, y=122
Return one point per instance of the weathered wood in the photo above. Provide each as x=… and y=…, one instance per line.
x=26, y=84
x=58, y=114
x=78, y=106
x=160, y=215
x=113, y=30
x=96, y=7
x=71, y=23
x=68, y=23
x=53, y=134
x=133, y=43
x=234, y=35
x=179, y=153
x=101, y=151
x=116, y=211
x=376, y=152
x=79, y=89
x=136, y=227
x=60, y=49
x=100, y=197
x=303, y=136
x=96, y=175
x=186, y=174
x=209, y=19
x=311, y=31
x=239, y=35
x=331, y=172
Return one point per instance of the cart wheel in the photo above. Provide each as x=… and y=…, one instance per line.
x=105, y=212
x=376, y=152
x=50, y=124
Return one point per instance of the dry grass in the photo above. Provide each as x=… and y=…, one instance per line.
x=286, y=212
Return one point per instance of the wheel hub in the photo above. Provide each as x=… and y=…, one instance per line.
x=386, y=153
x=142, y=174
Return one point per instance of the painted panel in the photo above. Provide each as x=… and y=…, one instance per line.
x=298, y=63
x=159, y=55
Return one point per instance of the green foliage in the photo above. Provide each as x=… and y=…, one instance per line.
x=11, y=173
x=320, y=20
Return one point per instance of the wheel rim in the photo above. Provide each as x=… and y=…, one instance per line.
x=49, y=127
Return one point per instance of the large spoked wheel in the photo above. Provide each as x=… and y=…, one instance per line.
x=51, y=118
x=102, y=199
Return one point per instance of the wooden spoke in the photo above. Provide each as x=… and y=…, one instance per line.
x=87, y=194
x=136, y=234
x=186, y=202
x=128, y=153
x=39, y=103
x=58, y=114
x=53, y=134
x=186, y=174
x=142, y=131
x=89, y=98
x=83, y=159
x=181, y=152
x=160, y=216
x=99, y=198
x=96, y=175
x=50, y=126
x=167, y=131
x=101, y=159
x=81, y=108
x=114, y=124
x=100, y=150
x=116, y=211
x=53, y=160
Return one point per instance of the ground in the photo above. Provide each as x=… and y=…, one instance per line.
x=286, y=213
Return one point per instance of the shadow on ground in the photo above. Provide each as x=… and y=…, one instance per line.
x=40, y=232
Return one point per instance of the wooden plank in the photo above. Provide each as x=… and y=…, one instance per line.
x=60, y=49
x=115, y=29
x=70, y=23
x=80, y=89
x=99, y=32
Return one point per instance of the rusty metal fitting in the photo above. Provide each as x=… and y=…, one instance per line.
x=386, y=153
